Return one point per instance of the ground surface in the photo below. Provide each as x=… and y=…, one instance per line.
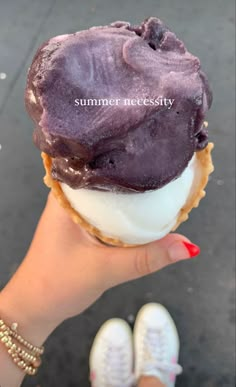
x=199, y=294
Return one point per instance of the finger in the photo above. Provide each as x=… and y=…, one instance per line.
x=126, y=264
x=59, y=219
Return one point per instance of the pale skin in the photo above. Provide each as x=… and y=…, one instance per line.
x=64, y=272
x=149, y=381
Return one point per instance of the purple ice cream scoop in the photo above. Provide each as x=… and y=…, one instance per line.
x=99, y=99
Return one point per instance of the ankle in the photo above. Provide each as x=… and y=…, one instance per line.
x=150, y=381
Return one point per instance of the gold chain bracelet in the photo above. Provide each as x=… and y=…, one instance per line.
x=25, y=355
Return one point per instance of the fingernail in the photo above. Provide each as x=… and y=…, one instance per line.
x=182, y=250
x=193, y=250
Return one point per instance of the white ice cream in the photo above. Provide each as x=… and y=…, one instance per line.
x=134, y=218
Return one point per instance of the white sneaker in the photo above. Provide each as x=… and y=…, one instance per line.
x=156, y=345
x=111, y=357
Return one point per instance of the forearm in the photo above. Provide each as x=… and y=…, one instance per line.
x=10, y=374
x=22, y=301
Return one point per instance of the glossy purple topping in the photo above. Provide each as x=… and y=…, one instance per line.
x=125, y=146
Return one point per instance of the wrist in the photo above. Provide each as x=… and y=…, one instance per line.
x=27, y=306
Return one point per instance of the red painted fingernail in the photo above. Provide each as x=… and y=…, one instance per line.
x=193, y=250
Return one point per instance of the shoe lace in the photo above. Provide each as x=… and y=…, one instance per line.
x=116, y=369
x=155, y=345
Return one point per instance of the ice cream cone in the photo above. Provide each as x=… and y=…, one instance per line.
x=204, y=169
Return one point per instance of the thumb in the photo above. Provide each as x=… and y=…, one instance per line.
x=126, y=264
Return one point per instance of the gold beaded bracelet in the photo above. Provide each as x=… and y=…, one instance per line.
x=28, y=358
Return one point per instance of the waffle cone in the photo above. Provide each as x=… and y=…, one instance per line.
x=206, y=167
